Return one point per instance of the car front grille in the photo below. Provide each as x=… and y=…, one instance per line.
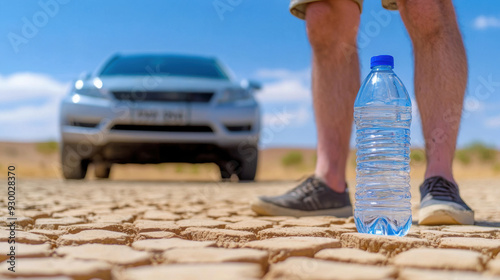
x=84, y=124
x=238, y=128
x=163, y=96
x=163, y=128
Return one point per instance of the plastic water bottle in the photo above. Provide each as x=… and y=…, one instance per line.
x=382, y=113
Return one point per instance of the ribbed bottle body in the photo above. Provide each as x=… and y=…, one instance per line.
x=383, y=169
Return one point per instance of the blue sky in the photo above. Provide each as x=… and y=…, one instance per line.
x=258, y=39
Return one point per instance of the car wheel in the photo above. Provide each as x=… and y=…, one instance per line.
x=102, y=170
x=225, y=173
x=248, y=169
x=246, y=158
x=74, y=167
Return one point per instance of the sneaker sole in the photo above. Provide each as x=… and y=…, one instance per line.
x=444, y=215
x=269, y=209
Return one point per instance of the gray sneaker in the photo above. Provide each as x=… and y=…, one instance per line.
x=441, y=204
x=312, y=197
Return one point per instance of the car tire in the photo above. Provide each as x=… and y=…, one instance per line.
x=246, y=158
x=248, y=169
x=102, y=170
x=225, y=172
x=73, y=166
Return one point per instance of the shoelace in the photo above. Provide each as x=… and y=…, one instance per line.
x=307, y=187
x=438, y=186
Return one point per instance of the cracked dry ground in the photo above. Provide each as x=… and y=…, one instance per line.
x=167, y=230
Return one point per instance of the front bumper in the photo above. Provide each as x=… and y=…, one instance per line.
x=93, y=121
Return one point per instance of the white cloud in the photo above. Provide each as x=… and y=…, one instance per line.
x=33, y=107
x=283, y=74
x=484, y=22
x=23, y=86
x=493, y=122
x=284, y=90
x=286, y=97
x=30, y=113
x=283, y=117
x=284, y=85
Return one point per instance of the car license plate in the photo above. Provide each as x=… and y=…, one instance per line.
x=175, y=116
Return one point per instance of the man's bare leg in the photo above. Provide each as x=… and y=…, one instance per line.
x=440, y=77
x=440, y=82
x=332, y=28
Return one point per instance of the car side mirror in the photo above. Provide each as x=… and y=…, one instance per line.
x=252, y=85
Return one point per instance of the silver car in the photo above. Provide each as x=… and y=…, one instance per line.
x=153, y=108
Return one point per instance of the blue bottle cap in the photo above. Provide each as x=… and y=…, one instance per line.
x=382, y=60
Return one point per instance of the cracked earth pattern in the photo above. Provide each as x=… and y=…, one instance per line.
x=175, y=230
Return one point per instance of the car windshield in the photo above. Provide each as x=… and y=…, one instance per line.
x=165, y=65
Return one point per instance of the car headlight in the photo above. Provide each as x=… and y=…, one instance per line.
x=88, y=89
x=232, y=95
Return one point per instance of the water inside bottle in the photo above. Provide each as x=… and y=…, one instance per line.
x=382, y=173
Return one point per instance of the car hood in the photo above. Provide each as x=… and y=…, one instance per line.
x=156, y=83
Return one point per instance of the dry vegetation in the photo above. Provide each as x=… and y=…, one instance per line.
x=41, y=160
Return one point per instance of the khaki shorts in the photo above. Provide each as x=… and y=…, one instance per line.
x=298, y=7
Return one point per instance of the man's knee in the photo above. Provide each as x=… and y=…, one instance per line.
x=427, y=19
x=332, y=23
